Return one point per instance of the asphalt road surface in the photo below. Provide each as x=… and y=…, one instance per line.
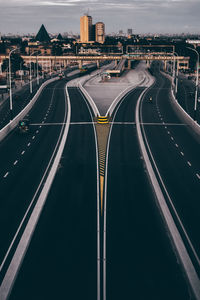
x=140, y=261
x=176, y=152
x=24, y=159
x=62, y=257
x=61, y=261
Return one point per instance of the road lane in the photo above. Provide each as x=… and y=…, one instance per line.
x=61, y=262
x=24, y=159
x=177, y=157
x=140, y=260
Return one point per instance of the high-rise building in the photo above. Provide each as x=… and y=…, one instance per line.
x=93, y=34
x=100, y=32
x=129, y=31
x=85, y=29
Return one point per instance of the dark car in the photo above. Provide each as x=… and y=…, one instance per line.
x=190, y=77
x=24, y=125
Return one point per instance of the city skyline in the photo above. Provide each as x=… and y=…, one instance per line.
x=149, y=16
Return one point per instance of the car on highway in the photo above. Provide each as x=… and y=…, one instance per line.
x=24, y=126
x=61, y=76
x=191, y=77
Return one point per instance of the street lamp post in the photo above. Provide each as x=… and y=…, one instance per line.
x=37, y=72
x=21, y=72
x=10, y=81
x=175, y=72
x=197, y=82
x=31, y=85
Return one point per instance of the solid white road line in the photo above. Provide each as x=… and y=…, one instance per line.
x=198, y=176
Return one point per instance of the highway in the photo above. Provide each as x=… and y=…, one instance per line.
x=23, y=96
x=77, y=249
x=62, y=258
x=140, y=263
x=177, y=156
x=20, y=99
x=24, y=159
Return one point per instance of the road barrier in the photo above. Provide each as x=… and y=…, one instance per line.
x=183, y=115
x=10, y=126
x=103, y=120
x=126, y=91
x=89, y=99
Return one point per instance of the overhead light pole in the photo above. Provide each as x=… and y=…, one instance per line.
x=30, y=77
x=10, y=83
x=197, y=83
x=175, y=72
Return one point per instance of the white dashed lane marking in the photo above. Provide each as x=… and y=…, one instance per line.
x=33, y=137
x=15, y=162
x=6, y=175
x=29, y=144
x=168, y=132
x=22, y=152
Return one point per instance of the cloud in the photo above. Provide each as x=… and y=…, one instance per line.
x=64, y=15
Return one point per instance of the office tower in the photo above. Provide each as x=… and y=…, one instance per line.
x=93, y=33
x=129, y=31
x=100, y=32
x=85, y=29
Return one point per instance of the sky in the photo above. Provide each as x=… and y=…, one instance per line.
x=143, y=16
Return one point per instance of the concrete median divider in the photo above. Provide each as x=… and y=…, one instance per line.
x=10, y=126
x=89, y=99
x=146, y=79
x=182, y=114
x=128, y=90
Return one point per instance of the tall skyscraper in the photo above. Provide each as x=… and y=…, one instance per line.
x=129, y=31
x=93, y=35
x=85, y=29
x=100, y=32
